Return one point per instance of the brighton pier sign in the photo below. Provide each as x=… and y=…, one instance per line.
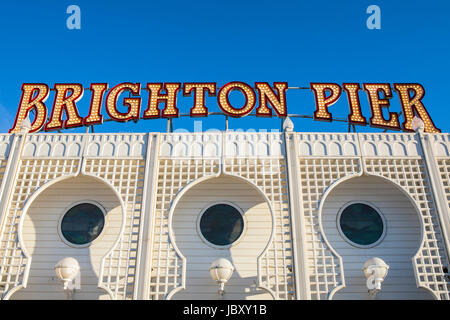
x=271, y=100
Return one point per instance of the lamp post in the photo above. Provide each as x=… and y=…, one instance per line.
x=221, y=271
x=68, y=271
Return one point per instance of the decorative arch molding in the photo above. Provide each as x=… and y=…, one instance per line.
x=177, y=176
x=27, y=206
x=409, y=176
x=317, y=177
x=31, y=177
x=322, y=201
x=335, y=185
x=406, y=175
x=123, y=176
x=174, y=204
x=267, y=175
x=173, y=177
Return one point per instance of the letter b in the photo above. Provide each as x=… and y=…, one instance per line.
x=233, y=309
x=262, y=309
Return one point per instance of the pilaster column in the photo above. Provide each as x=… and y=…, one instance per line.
x=296, y=213
x=144, y=258
x=438, y=194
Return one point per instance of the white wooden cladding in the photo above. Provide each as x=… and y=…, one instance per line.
x=325, y=267
x=117, y=159
x=327, y=159
x=33, y=173
x=242, y=254
x=275, y=264
x=246, y=156
x=258, y=159
x=401, y=242
x=126, y=176
x=431, y=259
x=43, y=242
x=168, y=264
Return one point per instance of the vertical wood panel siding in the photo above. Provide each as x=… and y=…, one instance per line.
x=42, y=240
x=402, y=240
x=243, y=254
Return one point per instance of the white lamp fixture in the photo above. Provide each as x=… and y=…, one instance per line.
x=221, y=271
x=68, y=271
x=375, y=270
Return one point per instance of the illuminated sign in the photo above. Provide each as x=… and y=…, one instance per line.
x=267, y=100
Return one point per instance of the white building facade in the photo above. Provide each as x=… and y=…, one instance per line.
x=291, y=189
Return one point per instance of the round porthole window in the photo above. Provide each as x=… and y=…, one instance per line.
x=82, y=223
x=361, y=224
x=221, y=224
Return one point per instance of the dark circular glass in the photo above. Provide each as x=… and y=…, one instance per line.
x=82, y=224
x=221, y=224
x=361, y=224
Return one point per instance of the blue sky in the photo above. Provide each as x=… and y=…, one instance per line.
x=222, y=41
